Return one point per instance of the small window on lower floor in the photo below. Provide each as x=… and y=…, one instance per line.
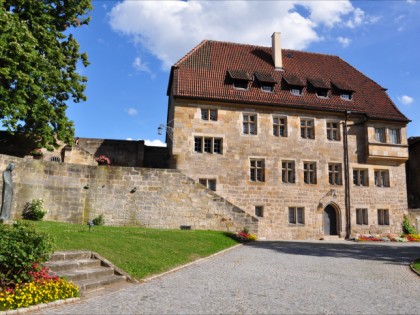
x=383, y=217
x=209, y=183
x=296, y=215
x=362, y=216
x=259, y=211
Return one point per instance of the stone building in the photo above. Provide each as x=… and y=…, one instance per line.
x=304, y=141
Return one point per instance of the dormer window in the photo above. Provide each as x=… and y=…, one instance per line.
x=240, y=79
x=346, y=95
x=320, y=87
x=323, y=93
x=266, y=81
x=296, y=90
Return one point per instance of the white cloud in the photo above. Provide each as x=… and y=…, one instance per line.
x=131, y=111
x=344, y=41
x=411, y=1
x=155, y=143
x=140, y=66
x=169, y=29
x=406, y=100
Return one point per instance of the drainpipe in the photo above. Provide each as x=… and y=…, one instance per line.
x=346, y=176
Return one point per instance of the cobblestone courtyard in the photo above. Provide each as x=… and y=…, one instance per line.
x=276, y=278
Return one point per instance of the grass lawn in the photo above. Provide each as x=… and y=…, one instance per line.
x=141, y=252
x=416, y=264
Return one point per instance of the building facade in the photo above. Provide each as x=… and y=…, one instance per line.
x=303, y=141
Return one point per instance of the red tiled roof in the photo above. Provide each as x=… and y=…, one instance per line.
x=206, y=73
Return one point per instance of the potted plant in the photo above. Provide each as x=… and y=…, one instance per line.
x=36, y=154
x=103, y=160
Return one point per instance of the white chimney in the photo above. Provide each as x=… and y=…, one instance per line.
x=276, y=50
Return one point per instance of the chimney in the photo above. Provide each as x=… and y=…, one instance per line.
x=276, y=50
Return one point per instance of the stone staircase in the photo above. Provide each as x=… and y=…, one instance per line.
x=90, y=272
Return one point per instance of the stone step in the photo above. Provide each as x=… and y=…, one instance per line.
x=76, y=275
x=332, y=238
x=63, y=265
x=89, y=285
x=71, y=255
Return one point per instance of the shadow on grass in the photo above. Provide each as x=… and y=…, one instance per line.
x=393, y=254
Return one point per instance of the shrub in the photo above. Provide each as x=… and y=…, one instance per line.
x=34, y=210
x=408, y=228
x=99, y=220
x=37, y=292
x=20, y=247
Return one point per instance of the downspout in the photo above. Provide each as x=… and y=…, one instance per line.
x=346, y=176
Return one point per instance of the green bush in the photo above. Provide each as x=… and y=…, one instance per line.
x=34, y=210
x=408, y=228
x=20, y=247
x=99, y=220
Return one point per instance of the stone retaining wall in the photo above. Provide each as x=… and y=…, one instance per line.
x=158, y=198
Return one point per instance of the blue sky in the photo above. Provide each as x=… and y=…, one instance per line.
x=132, y=44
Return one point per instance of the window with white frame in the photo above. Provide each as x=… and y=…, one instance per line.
x=309, y=172
x=209, y=114
x=288, y=171
x=362, y=216
x=249, y=124
x=360, y=177
x=380, y=135
x=307, y=129
x=383, y=217
x=334, y=173
x=381, y=178
x=296, y=215
x=333, y=131
x=394, y=135
x=208, y=145
x=210, y=183
x=256, y=170
x=279, y=126
x=346, y=95
x=296, y=90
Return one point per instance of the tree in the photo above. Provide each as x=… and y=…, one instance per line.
x=38, y=75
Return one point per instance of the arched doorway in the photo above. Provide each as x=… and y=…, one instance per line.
x=330, y=220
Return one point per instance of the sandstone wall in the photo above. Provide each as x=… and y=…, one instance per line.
x=231, y=169
x=155, y=198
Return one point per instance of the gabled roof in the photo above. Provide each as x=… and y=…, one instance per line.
x=206, y=73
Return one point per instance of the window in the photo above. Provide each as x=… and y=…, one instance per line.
x=307, y=128
x=360, y=177
x=256, y=170
x=333, y=131
x=279, y=126
x=249, y=124
x=296, y=90
x=380, y=135
x=240, y=84
x=208, y=145
x=209, y=183
x=394, y=136
x=267, y=88
x=296, y=215
x=346, y=95
x=259, y=211
x=323, y=93
x=334, y=173
x=288, y=171
x=362, y=216
x=309, y=172
x=209, y=114
x=382, y=178
x=55, y=159
x=383, y=217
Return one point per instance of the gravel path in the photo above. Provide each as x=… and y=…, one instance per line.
x=276, y=278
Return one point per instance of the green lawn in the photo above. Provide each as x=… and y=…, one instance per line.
x=141, y=252
x=416, y=264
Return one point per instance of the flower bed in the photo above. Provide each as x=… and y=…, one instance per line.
x=245, y=236
x=43, y=288
x=387, y=238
